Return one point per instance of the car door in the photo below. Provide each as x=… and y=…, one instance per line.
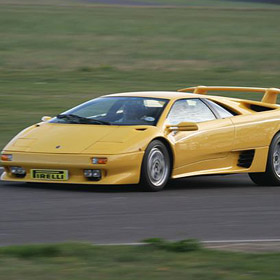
x=206, y=148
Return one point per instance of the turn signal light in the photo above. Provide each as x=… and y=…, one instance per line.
x=96, y=160
x=5, y=157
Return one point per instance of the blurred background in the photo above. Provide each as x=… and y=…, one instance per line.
x=55, y=54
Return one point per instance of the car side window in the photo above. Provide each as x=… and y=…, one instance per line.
x=222, y=112
x=189, y=110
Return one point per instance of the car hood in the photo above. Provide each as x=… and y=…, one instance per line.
x=80, y=138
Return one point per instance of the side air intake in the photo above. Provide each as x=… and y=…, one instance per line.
x=246, y=158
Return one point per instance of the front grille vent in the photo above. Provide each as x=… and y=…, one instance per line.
x=246, y=158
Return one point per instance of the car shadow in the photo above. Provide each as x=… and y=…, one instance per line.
x=211, y=182
x=198, y=182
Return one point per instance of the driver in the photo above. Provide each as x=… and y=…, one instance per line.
x=134, y=110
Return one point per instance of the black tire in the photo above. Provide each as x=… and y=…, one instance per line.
x=156, y=167
x=271, y=176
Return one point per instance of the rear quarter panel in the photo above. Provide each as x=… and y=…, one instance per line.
x=255, y=130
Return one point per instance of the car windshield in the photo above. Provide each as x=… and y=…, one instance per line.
x=115, y=111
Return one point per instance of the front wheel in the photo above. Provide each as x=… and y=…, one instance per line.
x=156, y=167
x=271, y=176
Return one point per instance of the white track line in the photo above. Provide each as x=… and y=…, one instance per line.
x=242, y=241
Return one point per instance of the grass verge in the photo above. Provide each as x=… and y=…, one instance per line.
x=85, y=261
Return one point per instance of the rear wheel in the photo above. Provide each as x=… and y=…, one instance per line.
x=271, y=176
x=156, y=167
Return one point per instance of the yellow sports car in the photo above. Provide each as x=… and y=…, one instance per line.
x=147, y=138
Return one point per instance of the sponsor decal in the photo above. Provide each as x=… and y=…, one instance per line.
x=45, y=174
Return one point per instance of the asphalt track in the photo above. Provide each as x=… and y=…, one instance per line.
x=207, y=208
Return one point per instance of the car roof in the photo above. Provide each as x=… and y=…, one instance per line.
x=159, y=94
x=239, y=106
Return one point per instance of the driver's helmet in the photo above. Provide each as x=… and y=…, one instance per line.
x=134, y=110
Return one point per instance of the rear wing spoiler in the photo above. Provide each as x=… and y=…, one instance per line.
x=270, y=94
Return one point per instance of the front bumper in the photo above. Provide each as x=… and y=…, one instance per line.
x=120, y=169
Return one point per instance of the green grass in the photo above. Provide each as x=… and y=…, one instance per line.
x=55, y=57
x=194, y=3
x=205, y=3
x=83, y=261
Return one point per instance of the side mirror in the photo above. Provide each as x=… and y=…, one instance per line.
x=46, y=118
x=183, y=126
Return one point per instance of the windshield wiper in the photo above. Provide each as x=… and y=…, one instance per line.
x=76, y=118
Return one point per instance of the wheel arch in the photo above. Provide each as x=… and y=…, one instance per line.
x=269, y=177
x=269, y=146
x=169, y=149
x=271, y=140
